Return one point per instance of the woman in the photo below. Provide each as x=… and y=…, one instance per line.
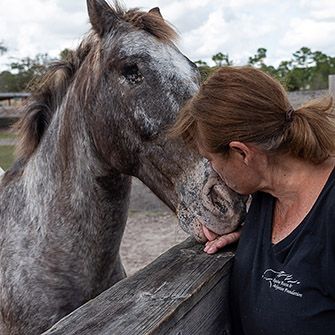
x=283, y=279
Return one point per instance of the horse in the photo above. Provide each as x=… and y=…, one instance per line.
x=95, y=120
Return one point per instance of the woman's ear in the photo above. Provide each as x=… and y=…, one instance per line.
x=243, y=150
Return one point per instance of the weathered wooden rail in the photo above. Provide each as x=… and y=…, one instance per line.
x=183, y=292
x=8, y=116
x=10, y=96
x=331, y=85
x=9, y=103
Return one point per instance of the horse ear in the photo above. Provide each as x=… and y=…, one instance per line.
x=156, y=11
x=102, y=16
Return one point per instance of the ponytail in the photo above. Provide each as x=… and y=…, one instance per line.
x=311, y=132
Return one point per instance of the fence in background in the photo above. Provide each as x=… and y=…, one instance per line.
x=331, y=86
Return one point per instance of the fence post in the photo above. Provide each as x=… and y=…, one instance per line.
x=331, y=85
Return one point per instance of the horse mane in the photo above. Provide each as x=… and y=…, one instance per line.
x=49, y=91
x=47, y=94
x=152, y=22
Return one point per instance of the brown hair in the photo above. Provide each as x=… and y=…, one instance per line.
x=152, y=22
x=245, y=104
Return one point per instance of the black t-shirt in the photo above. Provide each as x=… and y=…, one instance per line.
x=289, y=287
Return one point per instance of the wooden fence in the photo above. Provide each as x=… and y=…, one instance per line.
x=183, y=292
x=331, y=86
x=13, y=98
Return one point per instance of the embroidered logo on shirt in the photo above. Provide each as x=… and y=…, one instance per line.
x=282, y=282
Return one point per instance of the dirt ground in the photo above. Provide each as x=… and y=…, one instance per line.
x=151, y=229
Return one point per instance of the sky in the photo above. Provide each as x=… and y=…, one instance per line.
x=234, y=27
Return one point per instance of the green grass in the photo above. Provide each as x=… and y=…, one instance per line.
x=6, y=156
x=4, y=135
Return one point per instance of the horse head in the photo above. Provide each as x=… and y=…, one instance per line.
x=144, y=82
x=107, y=108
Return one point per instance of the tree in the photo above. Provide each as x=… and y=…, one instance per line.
x=200, y=63
x=323, y=66
x=303, y=57
x=221, y=59
x=284, y=68
x=8, y=82
x=3, y=49
x=22, y=72
x=64, y=54
x=204, y=69
x=258, y=59
x=306, y=69
x=303, y=67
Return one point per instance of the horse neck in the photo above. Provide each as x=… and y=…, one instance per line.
x=166, y=167
x=62, y=161
x=67, y=183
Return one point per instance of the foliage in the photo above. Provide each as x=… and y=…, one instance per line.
x=6, y=135
x=63, y=55
x=305, y=70
x=204, y=69
x=6, y=156
x=258, y=59
x=3, y=49
x=221, y=59
x=22, y=72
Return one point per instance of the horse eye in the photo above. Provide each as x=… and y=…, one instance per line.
x=132, y=74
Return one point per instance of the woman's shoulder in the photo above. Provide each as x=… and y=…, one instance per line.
x=326, y=200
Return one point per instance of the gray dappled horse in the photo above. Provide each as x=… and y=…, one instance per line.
x=97, y=119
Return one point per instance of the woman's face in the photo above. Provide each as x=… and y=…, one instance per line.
x=234, y=171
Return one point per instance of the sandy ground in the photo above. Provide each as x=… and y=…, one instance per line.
x=147, y=235
x=151, y=229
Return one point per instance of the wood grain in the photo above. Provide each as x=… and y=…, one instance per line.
x=184, y=291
